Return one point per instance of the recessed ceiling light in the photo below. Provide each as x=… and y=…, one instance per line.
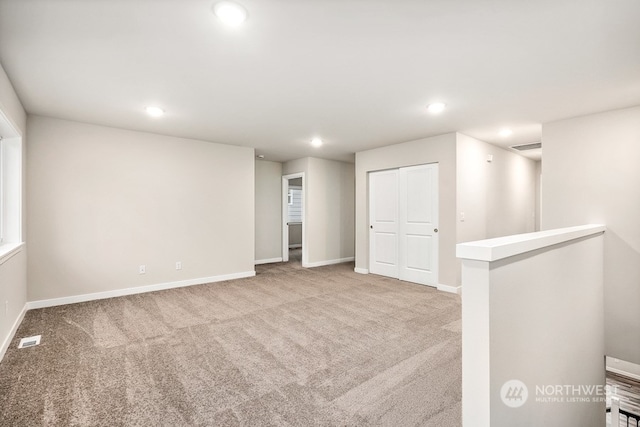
x=436, y=107
x=316, y=142
x=230, y=13
x=506, y=132
x=154, y=111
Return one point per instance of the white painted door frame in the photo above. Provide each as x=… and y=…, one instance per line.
x=285, y=218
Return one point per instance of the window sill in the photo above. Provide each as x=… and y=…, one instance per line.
x=8, y=250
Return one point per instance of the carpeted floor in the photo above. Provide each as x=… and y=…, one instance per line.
x=289, y=347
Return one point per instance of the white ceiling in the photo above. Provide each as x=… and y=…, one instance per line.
x=358, y=73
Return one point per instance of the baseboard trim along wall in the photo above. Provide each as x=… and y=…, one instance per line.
x=267, y=261
x=329, y=262
x=440, y=286
x=448, y=288
x=12, y=332
x=135, y=290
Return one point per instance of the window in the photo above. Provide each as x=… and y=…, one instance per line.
x=295, y=204
x=10, y=187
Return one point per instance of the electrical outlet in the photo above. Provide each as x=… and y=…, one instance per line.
x=178, y=265
x=142, y=269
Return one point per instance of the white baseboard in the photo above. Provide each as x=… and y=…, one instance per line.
x=135, y=290
x=329, y=262
x=267, y=261
x=12, y=332
x=623, y=367
x=448, y=288
x=361, y=270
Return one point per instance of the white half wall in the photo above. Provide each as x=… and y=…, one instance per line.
x=532, y=329
x=268, y=187
x=591, y=174
x=103, y=201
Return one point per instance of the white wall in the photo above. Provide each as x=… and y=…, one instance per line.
x=532, y=311
x=13, y=270
x=590, y=174
x=538, y=193
x=329, y=208
x=331, y=214
x=438, y=149
x=268, y=187
x=498, y=198
x=103, y=201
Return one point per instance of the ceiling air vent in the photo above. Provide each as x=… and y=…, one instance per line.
x=525, y=147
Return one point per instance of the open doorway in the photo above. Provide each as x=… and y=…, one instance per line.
x=293, y=219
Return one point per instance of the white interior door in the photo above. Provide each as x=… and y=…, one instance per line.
x=403, y=221
x=418, y=224
x=383, y=223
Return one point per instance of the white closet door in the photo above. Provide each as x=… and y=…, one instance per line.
x=383, y=223
x=418, y=224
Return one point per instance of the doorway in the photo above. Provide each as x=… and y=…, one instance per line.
x=294, y=246
x=403, y=223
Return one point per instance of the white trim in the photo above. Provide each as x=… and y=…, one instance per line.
x=135, y=290
x=622, y=367
x=9, y=250
x=449, y=288
x=505, y=247
x=361, y=270
x=329, y=262
x=12, y=332
x=623, y=373
x=267, y=261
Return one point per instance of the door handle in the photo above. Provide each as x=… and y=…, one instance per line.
x=435, y=230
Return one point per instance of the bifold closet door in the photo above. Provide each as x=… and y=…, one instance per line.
x=403, y=221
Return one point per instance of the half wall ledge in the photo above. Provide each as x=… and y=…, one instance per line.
x=505, y=247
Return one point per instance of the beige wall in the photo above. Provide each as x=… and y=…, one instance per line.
x=295, y=235
x=590, y=174
x=13, y=271
x=538, y=193
x=329, y=188
x=330, y=218
x=103, y=201
x=268, y=189
x=498, y=198
x=438, y=149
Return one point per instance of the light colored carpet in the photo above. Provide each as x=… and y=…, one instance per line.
x=289, y=347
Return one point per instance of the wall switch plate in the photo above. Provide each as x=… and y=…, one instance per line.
x=179, y=265
x=142, y=269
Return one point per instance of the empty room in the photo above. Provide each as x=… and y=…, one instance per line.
x=319, y=213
